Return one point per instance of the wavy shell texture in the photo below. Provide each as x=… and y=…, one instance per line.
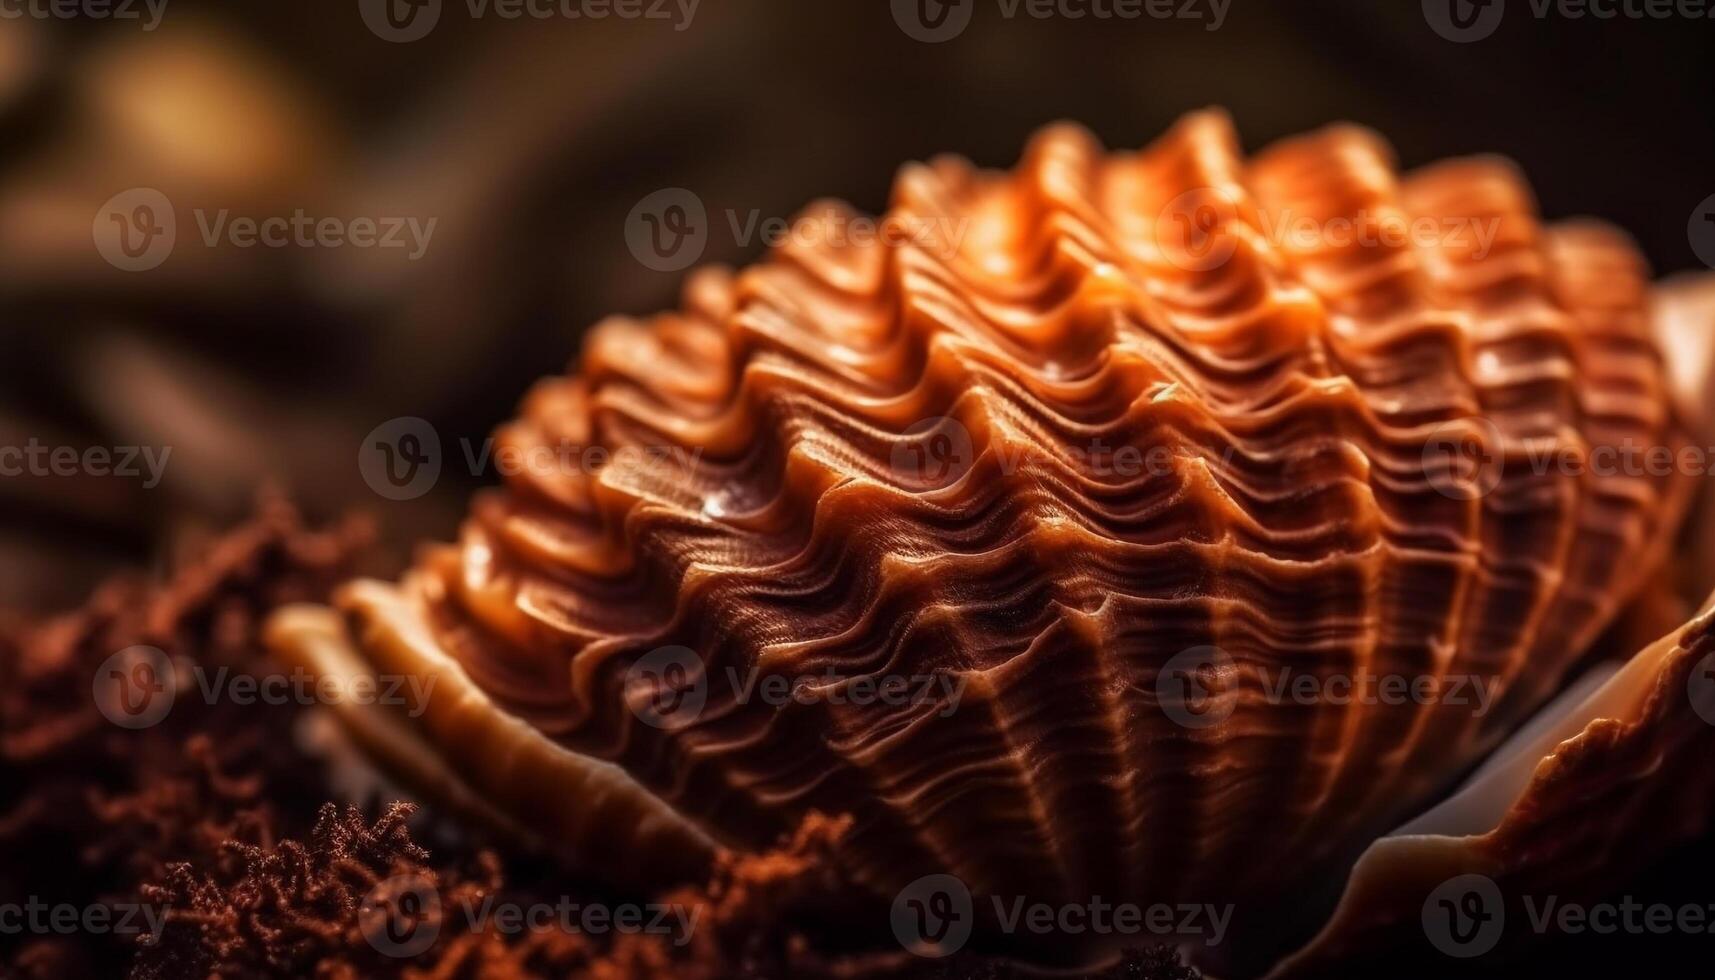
x=1289, y=392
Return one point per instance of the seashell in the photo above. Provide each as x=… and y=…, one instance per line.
x=1546, y=820
x=1087, y=456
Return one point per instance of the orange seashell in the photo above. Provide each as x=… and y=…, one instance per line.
x=1025, y=514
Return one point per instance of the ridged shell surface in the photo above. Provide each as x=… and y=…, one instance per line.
x=1047, y=438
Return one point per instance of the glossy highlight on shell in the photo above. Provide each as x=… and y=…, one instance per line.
x=861, y=461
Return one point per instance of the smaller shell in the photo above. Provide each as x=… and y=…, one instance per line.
x=1566, y=814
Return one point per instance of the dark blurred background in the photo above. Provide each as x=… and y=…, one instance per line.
x=529, y=141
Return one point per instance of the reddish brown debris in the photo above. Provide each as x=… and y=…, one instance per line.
x=216, y=819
